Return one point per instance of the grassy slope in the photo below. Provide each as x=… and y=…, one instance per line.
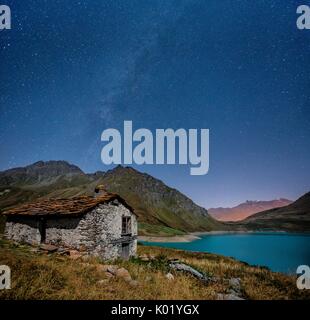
x=158, y=205
x=146, y=229
x=41, y=276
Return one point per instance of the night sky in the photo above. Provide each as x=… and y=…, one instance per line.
x=70, y=69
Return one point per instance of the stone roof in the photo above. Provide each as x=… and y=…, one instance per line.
x=64, y=207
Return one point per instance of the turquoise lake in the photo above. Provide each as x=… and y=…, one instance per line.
x=280, y=252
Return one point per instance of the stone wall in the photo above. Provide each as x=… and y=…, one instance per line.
x=110, y=230
x=97, y=232
x=22, y=230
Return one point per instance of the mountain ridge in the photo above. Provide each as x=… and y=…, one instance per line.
x=38, y=171
x=161, y=209
x=293, y=217
x=246, y=209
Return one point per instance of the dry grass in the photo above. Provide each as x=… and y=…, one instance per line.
x=42, y=276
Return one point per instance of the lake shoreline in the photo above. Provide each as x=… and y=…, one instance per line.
x=182, y=238
x=197, y=235
x=279, y=251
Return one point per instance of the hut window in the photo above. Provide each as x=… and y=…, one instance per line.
x=126, y=225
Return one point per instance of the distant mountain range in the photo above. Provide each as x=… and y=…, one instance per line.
x=161, y=210
x=294, y=217
x=246, y=209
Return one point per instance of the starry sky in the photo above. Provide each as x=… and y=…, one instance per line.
x=70, y=69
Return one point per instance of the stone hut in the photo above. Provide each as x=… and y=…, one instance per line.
x=105, y=226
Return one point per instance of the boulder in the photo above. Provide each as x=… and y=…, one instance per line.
x=63, y=251
x=144, y=258
x=230, y=296
x=235, y=287
x=109, y=275
x=169, y=276
x=188, y=269
x=112, y=269
x=234, y=283
x=123, y=273
x=133, y=283
x=107, y=268
x=74, y=254
x=48, y=247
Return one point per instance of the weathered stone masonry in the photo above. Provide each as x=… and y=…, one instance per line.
x=97, y=231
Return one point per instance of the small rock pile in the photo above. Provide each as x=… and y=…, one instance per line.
x=113, y=271
x=146, y=258
x=234, y=292
x=49, y=248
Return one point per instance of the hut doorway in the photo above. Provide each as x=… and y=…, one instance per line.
x=42, y=230
x=125, y=251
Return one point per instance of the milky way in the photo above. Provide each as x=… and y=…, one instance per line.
x=70, y=69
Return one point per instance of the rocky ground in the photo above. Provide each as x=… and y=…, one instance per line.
x=49, y=272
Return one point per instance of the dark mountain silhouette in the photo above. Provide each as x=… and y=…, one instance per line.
x=246, y=209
